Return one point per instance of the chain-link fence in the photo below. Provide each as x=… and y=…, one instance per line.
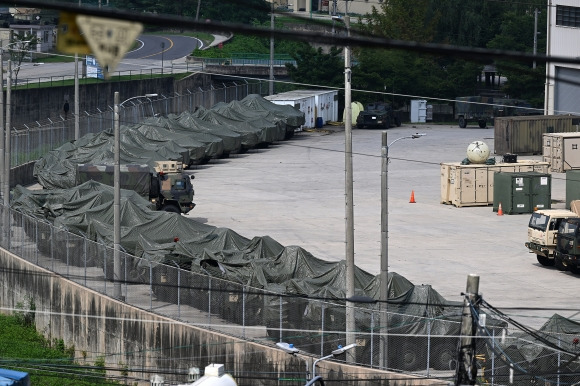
x=31, y=141
x=414, y=343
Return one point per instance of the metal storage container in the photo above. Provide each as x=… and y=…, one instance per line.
x=523, y=135
x=562, y=151
x=522, y=192
x=472, y=185
x=572, y=186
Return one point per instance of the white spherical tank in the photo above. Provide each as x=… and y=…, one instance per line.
x=477, y=152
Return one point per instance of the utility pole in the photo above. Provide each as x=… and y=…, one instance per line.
x=2, y=120
x=271, y=83
x=466, y=367
x=535, y=34
x=349, y=197
x=77, y=98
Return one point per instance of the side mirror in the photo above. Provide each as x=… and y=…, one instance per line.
x=192, y=177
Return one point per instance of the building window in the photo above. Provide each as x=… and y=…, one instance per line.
x=567, y=16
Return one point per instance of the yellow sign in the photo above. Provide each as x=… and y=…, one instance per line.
x=109, y=39
x=69, y=39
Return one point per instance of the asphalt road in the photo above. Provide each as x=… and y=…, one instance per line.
x=167, y=47
x=294, y=192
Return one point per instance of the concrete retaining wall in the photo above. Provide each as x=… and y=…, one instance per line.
x=32, y=105
x=98, y=326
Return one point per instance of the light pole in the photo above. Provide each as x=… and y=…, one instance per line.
x=384, y=290
x=290, y=349
x=117, y=268
x=349, y=195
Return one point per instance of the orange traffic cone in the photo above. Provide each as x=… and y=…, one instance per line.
x=412, y=199
x=499, y=210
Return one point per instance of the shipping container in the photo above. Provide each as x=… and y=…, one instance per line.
x=562, y=151
x=472, y=185
x=523, y=135
x=572, y=186
x=522, y=192
x=313, y=103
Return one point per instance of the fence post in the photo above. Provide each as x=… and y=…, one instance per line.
x=150, y=285
x=428, y=344
x=280, y=318
x=243, y=311
x=209, y=302
x=86, y=258
x=322, y=331
x=372, y=336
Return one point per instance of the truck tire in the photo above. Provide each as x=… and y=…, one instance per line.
x=545, y=261
x=462, y=123
x=444, y=356
x=359, y=126
x=482, y=123
x=559, y=264
x=171, y=208
x=397, y=121
x=387, y=123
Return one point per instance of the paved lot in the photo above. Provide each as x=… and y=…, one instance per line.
x=294, y=192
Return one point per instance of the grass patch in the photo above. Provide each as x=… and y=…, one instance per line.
x=22, y=348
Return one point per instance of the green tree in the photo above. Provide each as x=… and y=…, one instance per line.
x=315, y=67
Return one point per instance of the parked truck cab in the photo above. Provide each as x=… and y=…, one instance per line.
x=542, y=233
x=567, y=254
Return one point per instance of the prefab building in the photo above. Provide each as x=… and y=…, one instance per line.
x=314, y=104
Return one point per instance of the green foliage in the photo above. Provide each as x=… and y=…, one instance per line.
x=26, y=316
x=502, y=25
x=315, y=67
x=22, y=348
x=239, y=11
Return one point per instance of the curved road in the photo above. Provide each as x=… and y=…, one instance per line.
x=167, y=47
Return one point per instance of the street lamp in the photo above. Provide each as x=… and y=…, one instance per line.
x=384, y=295
x=117, y=271
x=289, y=348
x=349, y=195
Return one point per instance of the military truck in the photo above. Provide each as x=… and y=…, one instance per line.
x=483, y=110
x=567, y=253
x=166, y=186
x=543, y=229
x=378, y=115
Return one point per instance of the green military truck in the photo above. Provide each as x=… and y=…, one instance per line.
x=483, y=110
x=378, y=115
x=166, y=187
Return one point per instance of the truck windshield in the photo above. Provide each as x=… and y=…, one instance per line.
x=539, y=221
x=567, y=228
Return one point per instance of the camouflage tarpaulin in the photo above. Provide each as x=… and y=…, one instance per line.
x=163, y=126
x=273, y=130
x=233, y=141
x=238, y=126
x=294, y=117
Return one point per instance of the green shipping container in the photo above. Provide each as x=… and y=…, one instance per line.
x=522, y=192
x=572, y=186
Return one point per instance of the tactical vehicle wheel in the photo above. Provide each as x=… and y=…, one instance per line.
x=546, y=261
x=443, y=357
x=398, y=122
x=558, y=263
x=171, y=208
x=482, y=124
x=360, y=127
x=462, y=122
x=575, y=269
x=410, y=357
x=387, y=123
